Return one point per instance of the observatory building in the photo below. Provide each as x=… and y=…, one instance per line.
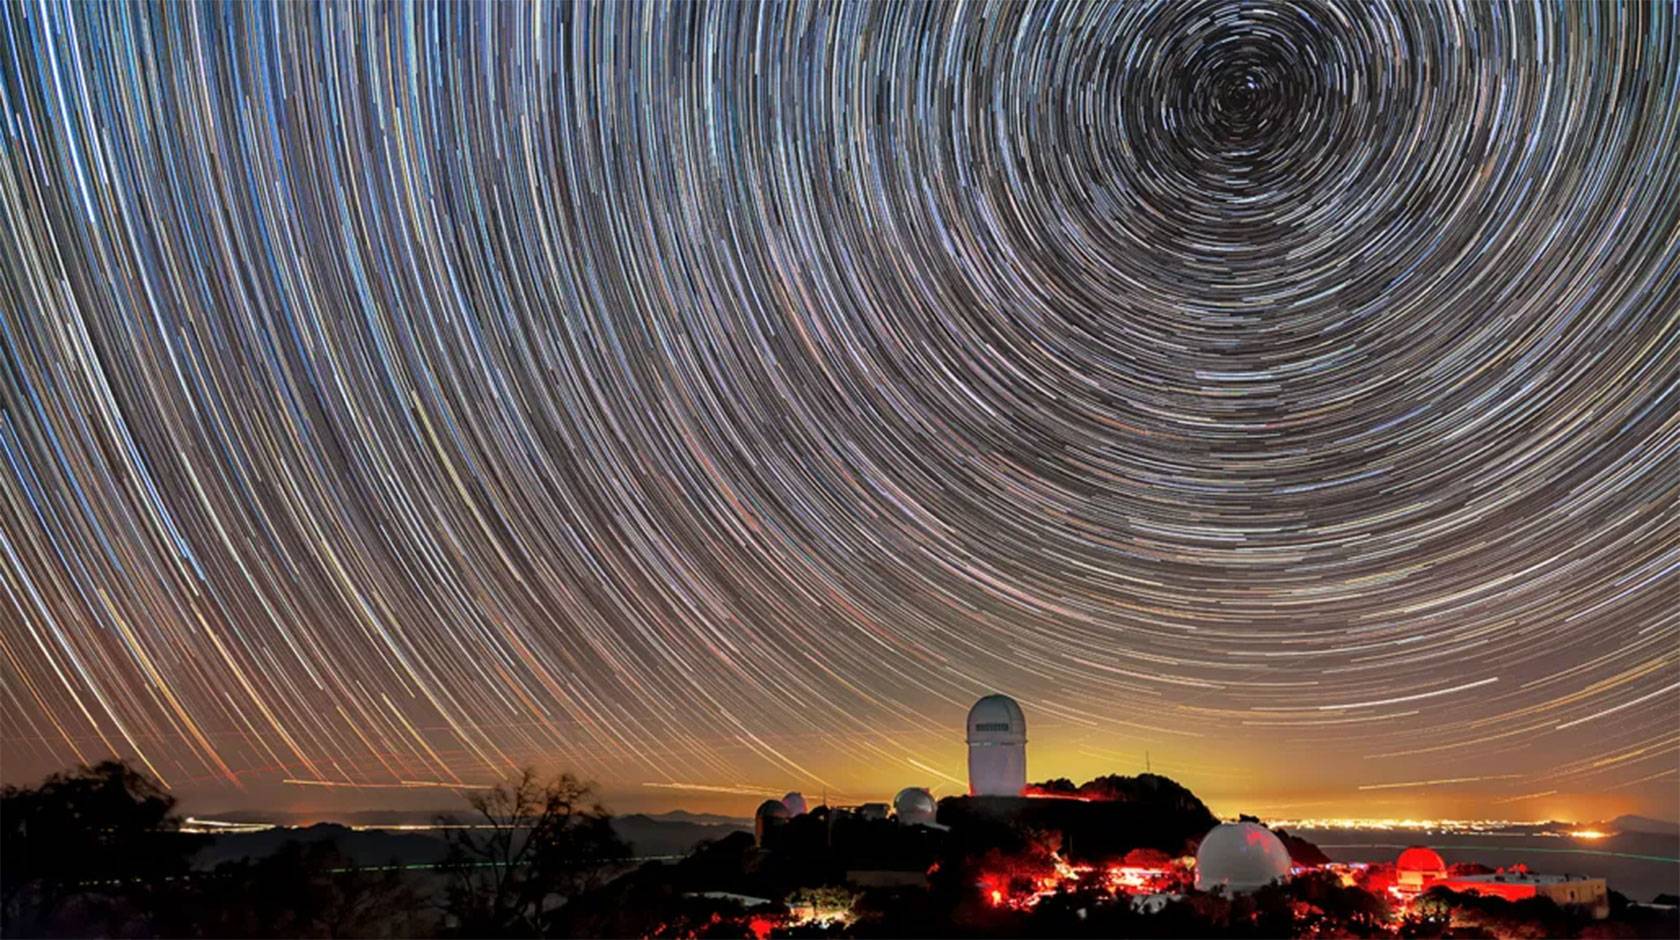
x=1590, y=895
x=1417, y=867
x=915, y=807
x=795, y=803
x=772, y=815
x=1240, y=857
x=997, y=747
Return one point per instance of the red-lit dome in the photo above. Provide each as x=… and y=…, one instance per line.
x=1421, y=859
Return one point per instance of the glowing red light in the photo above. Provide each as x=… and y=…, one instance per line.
x=1056, y=795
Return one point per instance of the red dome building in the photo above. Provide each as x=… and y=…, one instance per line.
x=1417, y=867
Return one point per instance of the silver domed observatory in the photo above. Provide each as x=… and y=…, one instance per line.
x=997, y=747
x=915, y=806
x=1240, y=857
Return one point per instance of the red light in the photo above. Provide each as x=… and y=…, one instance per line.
x=1057, y=795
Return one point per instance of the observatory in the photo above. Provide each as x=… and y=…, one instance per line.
x=795, y=803
x=1240, y=857
x=915, y=807
x=1417, y=867
x=997, y=747
x=772, y=815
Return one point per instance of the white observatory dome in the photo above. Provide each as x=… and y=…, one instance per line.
x=997, y=747
x=795, y=803
x=997, y=719
x=915, y=807
x=1240, y=857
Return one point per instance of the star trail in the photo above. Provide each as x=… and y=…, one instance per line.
x=716, y=399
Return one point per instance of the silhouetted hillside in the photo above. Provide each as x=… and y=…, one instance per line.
x=670, y=834
x=1301, y=852
x=1630, y=823
x=1099, y=820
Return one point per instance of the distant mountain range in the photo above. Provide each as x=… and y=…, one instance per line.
x=372, y=817
x=1630, y=823
x=363, y=847
x=674, y=833
x=702, y=819
x=420, y=817
x=650, y=836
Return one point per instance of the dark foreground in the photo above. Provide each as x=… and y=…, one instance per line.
x=99, y=852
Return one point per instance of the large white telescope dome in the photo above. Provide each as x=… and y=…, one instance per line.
x=1240, y=857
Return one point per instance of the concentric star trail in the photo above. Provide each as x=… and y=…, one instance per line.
x=717, y=398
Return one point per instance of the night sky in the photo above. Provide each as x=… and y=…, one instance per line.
x=716, y=400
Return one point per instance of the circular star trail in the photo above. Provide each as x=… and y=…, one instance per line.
x=720, y=397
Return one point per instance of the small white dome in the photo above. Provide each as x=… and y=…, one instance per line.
x=1240, y=857
x=795, y=803
x=997, y=719
x=915, y=806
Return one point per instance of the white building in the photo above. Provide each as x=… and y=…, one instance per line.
x=1240, y=857
x=1590, y=894
x=997, y=747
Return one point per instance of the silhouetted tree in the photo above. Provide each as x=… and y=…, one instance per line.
x=1114, y=815
x=535, y=844
x=79, y=853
